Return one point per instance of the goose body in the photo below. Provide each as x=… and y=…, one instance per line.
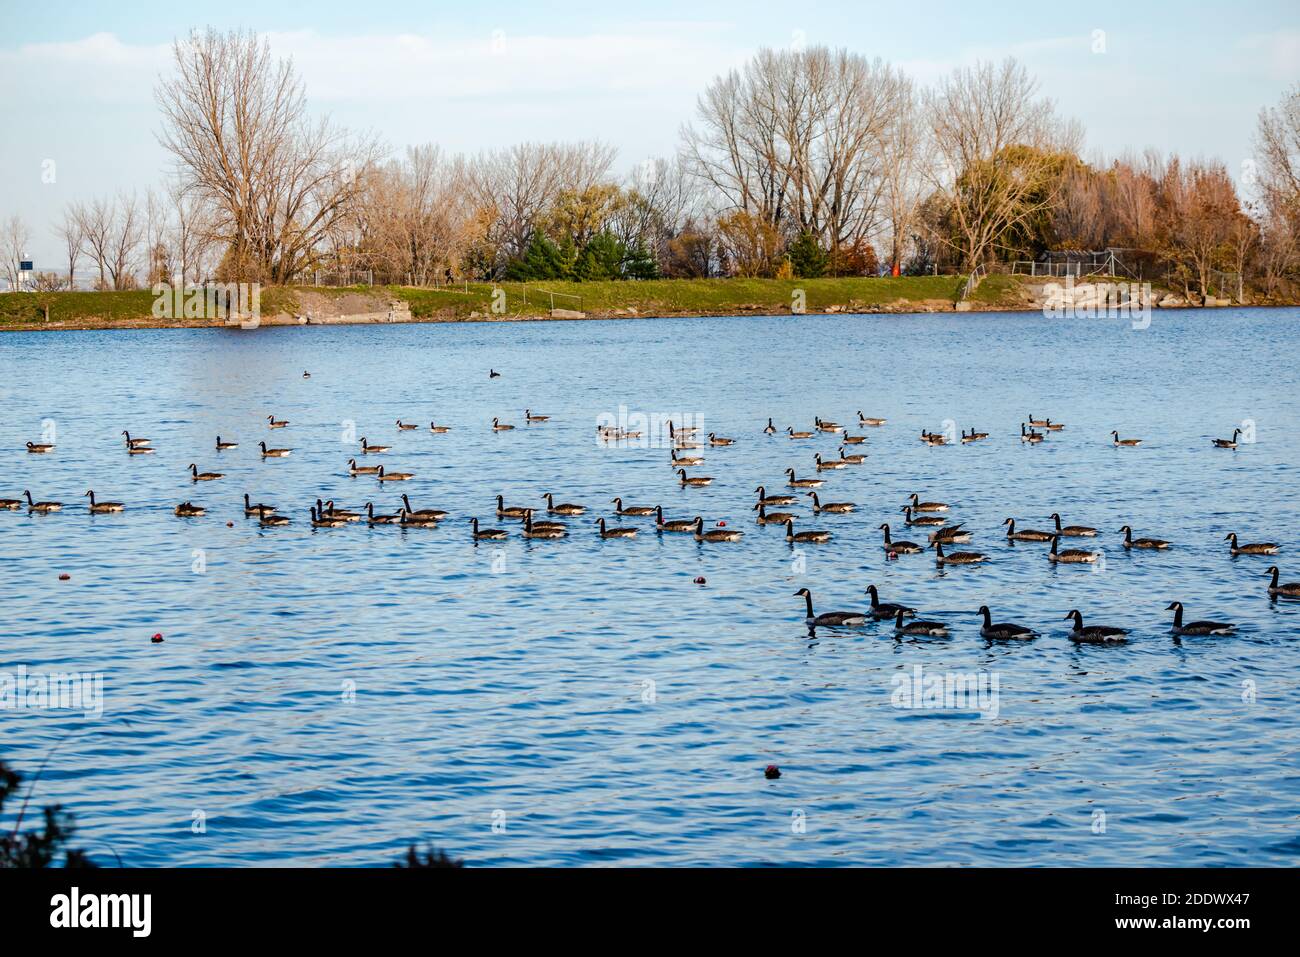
x=870, y=420
x=621, y=509
x=333, y=512
x=1072, y=531
x=486, y=534
x=368, y=449
x=355, y=469
x=933, y=438
x=834, y=507
x=224, y=446
x=803, y=483
x=851, y=458
x=1227, y=443
x=1252, y=548
x=719, y=440
x=614, y=532
x=1094, y=634
x=1030, y=435
x=324, y=521
x=829, y=464
x=798, y=435
x=973, y=436
x=393, y=476
x=950, y=535
x=1197, y=627
x=139, y=450
x=100, y=507
x=406, y=426
x=189, y=510
x=136, y=442
x=42, y=506
x=1289, y=590
x=436, y=514
x=1124, y=443
x=674, y=431
x=258, y=509
x=11, y=504
x=772, y=518
x=887, y=609
x=957, y=558
x=853, y=439
x=1158, y=544
x=267, y=518
x=39, y=448
x=1053, y=426
x=901, y=548
x=437, y=429
x=770, y=429
x=1026, y=534
x=407, y=520
x=1003, y=630
x=686, y=460
x=672, y=524
x=529, y=417
x=933, y=629
x=544, y=523
x=815, y=537
x=830, y=619
x=1071, y=556
x=926, y=521
x=1038, y=423
x=373, y=519
x=694, y=481
x=919, y=506
x=565, y=508
x=499, y=426
x=507, y=511
x=535, y=531
x=275, y=423
x=765, y=499
x=715, y=534
x=197, y=476
x=274, y=453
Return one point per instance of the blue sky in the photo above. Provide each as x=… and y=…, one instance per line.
x=1187, y=77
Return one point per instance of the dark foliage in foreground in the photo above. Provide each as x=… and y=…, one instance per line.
x=36, y=848
x=431, y=857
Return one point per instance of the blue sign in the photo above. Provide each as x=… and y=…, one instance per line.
x=25, y=265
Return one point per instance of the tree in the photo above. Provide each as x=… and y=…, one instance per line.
x=1277, y=157
x=807, y=258
x=70, y=231
x=35, y=848
x=14, y=239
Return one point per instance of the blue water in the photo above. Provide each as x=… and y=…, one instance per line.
x=583, y=702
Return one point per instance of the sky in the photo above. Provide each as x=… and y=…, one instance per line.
x=80, y=118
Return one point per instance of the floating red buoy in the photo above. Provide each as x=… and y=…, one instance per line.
x=64, y=577
x=157, y=638
x=700, y=581
x=772, y=772
x=230, y=524
x=891, y=555
x=722, y=524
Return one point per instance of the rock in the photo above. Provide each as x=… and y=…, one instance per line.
x=567, y=314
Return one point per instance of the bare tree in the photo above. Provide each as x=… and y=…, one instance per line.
x=71, y=232
x=14, y=239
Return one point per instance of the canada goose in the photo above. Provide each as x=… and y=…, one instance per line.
x=1071, y=556
x=274, y=453
x=1027, y=534
x=565, y=508
x=853, y=439
x=545, y=522
x=12, y=504
x=1072, y=531
x=529, y=417
x=951, y=535
x=306, y=374
x=534, y=531
x=719, y=440
x=1254, y=548
x=772, y=518
x=933, y=438
x=887, y=609
x=267, y=518
x=37, y=448
x=919, y=506
x=1289, y=590
x=922, y=520
x=407, y=520
x=1094, y=634
x=406, y=426
x=486, y=534
x=139, y=450
x=1123, y=443
x=838, y=508
x=1197, y=627
x=513, y=511
x=197, y=476
x=1038, y=423
x=830, y=619
x=957, y=558
x=814, y=536
x=900, y=548
x=368, y=449
x=823, y=426
x=224, y=446
x=869, y=420
x=1053, y=426
x=620, y=509
x=134, y=443
x=437, y=429
x=854, y=458
x=436, y=514
x=798, y=435
x=373, y=519
x=189, y=510
x=1131, y=542
x=1003, y=630
x=803, y=483
x=276, y=423
x=672, y=524
x=355, y=469
x=393, y=476
x=325, y=521
x=828, y=465
x=1030, y=436
x=493, y=374
x=258, y=509
x=695, y=481
x=614, y=532
x=1227, y=443
x=689, y=461
x=974, y=436
x=333, y=512
x=770, y=429
x=99, y=507
x=935, y=629
x=765, y=499
x=42, y=506
x=499, y=426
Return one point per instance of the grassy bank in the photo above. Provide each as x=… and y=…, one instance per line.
x=666, y=297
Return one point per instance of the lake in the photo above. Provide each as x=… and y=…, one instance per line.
x=329, y=696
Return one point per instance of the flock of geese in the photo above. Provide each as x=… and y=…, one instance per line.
x=925, y=517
